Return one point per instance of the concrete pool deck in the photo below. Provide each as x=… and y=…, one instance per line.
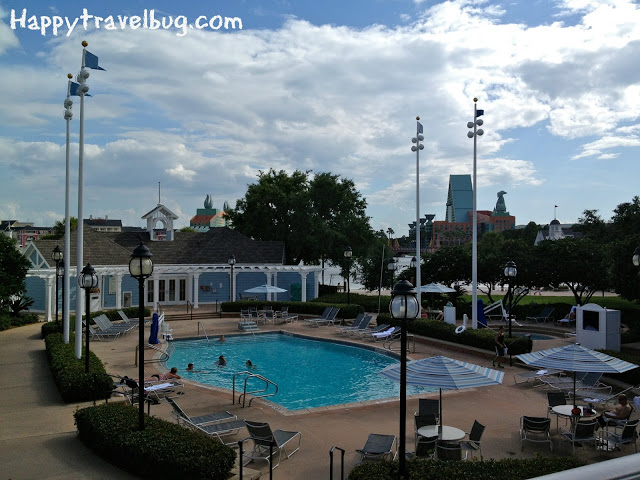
x=38, y=438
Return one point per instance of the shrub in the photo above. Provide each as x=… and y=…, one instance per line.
x=53, y=327
x=632, y=377
x=481, y=338
x=7, y=321
x=68, y=372
x=513, y=469
x=163, y=450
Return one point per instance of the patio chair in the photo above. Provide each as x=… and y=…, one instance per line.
x=554, y=399
x=330, y=320
x=107, y=325
x=378, y=447
x=472, y=444
x=216, y=417
x=324, y=315
x=264, y=440
x=580, y=432
x=448, y=451
x=100, y=336
x=245, y=315
x=284, y=316
x=426, y=447
x=535, y=429
x=544, y=315
x=524, y=377
x=423, y=421
x=356, y=322
x=269, y=316
x=566, y=383
x=621, y=436
x=385, y=334
x=362, y=327
x=368, y=332
x=132, y=321
x=427, y=406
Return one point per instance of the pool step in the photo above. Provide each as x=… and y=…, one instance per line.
x=248, y=326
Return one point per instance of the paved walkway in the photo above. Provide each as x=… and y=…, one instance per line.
x=38, y=436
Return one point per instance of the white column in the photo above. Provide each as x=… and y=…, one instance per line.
x=196, y=277
x=189, y=288
x=303, y=282
x=118, y=277
x=275, y=282
x=49, y=297
x=156, y=291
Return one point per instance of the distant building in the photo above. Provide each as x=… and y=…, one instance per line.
x=209, y=217
x=103, y=224
x=556, y=231
x=23, y=232
x=457, y=228
x=426, y=231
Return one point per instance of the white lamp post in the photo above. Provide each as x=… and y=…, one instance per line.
x=416, y=148
x=87, y=280
x=474, y=245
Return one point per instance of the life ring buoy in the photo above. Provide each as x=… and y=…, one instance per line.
x=460, y=329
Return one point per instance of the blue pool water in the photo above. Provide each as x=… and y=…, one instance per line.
x=534, y=336
x=309, y=373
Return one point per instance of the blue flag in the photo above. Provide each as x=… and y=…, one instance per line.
x=91, y=61
x=419, y=127
x=73, y=90
x=479, y=113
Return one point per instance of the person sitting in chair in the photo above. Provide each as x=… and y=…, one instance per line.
x=622, y=411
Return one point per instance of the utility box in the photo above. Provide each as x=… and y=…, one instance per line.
x=598, y=327
x=449, y=315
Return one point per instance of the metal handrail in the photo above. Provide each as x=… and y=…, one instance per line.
x=341, y=462
x=205, y=332
x=389, y=343
x=164, y=358
x=243, y=395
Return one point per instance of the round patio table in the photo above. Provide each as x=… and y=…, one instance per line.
x=449, y=434
x=564, y=411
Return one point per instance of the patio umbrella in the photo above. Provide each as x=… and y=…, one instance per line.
x=444, y=372
x=265, y=289
x=576, y=358
x=436, y=288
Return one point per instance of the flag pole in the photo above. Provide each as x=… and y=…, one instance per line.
x=83, y=88
x=68, y=114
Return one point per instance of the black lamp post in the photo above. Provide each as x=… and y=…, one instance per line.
x=404, y=305
x=57, y=256
x=232, y=262
x=141, y=267
x=87, y=280
x=347, y=254
x=392, y=266
x=60, y=271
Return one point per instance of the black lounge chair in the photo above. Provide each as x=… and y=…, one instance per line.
x=378, y=447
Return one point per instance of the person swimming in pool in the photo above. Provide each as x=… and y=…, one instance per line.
x=221, y=361
x=250, y=364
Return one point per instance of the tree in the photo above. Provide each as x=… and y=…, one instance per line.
x=315, y=218
x=187, y=229
x=58, y=228
x=527, y=234
x=448, y=265
x=591, y=225
x=13, y=270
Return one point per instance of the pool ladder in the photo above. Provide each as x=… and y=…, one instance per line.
x=205, y=332
x=243, y=395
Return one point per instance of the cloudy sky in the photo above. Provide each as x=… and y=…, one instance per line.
x=323, y=86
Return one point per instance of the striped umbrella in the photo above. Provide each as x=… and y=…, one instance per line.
x=576, y=358
x=444, y=372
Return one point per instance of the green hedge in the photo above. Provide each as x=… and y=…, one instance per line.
x=163, y=450
x=482, y=338
x=7, y=320
x=302, y=308
x=632, y=377
x=53, y=327
x=68, y=372
x=512, y=469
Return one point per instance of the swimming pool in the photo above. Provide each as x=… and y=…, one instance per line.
x=309, y=373
x=534, y=336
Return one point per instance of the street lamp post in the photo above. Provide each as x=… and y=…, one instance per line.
x=474, y=223
x=140, y=268
x=416, y=148
x=232, y=262
x=392, y=266
x=347, y=254
x=57, y=256
x=510, y=271
x=404, y=305
x=61, y=273
x=87, y=280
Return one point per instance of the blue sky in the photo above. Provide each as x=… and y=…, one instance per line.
x=326, y=86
